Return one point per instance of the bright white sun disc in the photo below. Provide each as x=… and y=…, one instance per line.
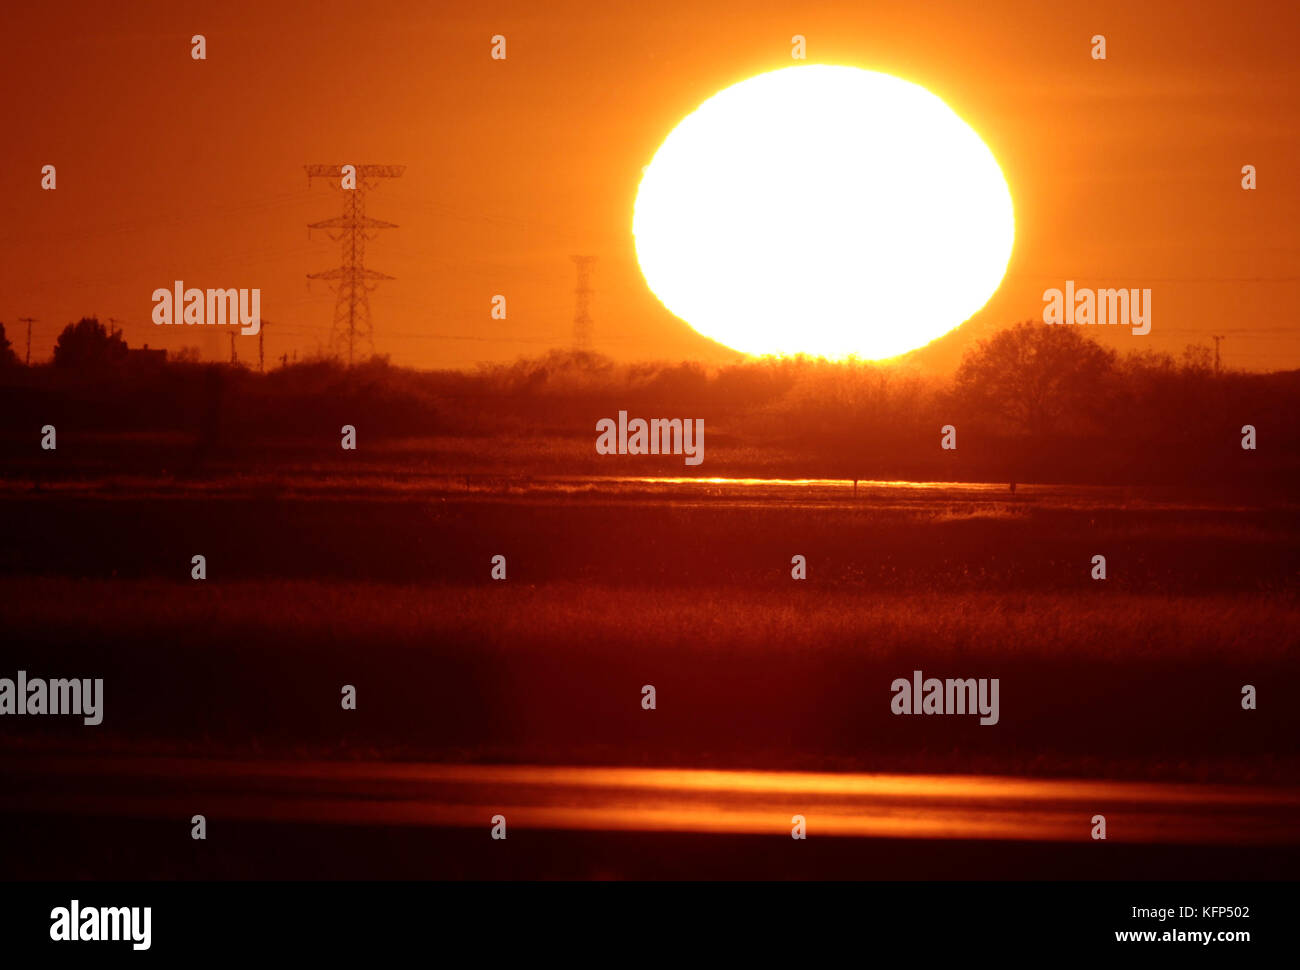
x=823, y=210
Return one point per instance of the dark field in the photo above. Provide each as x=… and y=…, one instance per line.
x=1135, y=676
x=384, y=584
x=98, y=849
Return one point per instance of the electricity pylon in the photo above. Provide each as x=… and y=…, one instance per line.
x=352, y=281
x=29, y=321
x=582, y=303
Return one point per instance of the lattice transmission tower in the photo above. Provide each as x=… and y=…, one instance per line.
x=29, y=321
x=351, y=281
x=582, y=324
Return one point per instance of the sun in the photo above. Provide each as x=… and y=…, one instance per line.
x=823, y=210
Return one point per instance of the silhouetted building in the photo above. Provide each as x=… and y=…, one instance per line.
x=144, y=357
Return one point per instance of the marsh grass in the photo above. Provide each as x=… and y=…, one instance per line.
x=1143, y=685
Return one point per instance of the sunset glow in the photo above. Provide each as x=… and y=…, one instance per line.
x=492, y=475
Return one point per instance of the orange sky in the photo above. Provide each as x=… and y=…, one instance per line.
x=1124, y=172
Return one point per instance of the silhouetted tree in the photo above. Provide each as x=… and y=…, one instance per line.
x=1033, y=376
x=7, y=356
x=86, y=344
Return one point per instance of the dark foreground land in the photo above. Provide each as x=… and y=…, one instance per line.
x=99, y=849
x=1135, y=677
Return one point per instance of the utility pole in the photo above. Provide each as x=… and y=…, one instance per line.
x=234, y=357
x=1217, y=341
x=582, y=303
x=29, y=321
x=261, y=350
x=352, y=281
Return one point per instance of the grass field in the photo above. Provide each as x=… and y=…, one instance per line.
x=1137, y=676
x=386, y=586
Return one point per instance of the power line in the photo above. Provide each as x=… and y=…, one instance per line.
x=1159, y=279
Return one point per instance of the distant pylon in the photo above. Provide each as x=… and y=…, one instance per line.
x=1217, y=341
x=582, y=303
x=29, y=321
x=352, y=281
